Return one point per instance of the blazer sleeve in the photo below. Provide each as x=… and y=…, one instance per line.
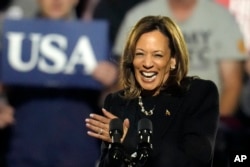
x=200, y=123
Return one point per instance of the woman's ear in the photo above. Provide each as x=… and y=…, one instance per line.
x=172, y=63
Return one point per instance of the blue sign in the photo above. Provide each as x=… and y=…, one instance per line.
x=53, y=53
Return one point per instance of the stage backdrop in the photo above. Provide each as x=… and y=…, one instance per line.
x=52, y=53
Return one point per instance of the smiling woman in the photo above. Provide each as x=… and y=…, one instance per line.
x=152, y=60
x=155, y=48
x=183, y=110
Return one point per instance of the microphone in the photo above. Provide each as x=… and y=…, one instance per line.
x=145, y=147
x=116, y=132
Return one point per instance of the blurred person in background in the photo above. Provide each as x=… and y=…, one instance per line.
x=237, y=138
x=24, y=8
x=241, y=11
x=214, y=41
x=4, y=6
x=86, y=8
x=48, y=120
x=6, y=111
x=111, y=10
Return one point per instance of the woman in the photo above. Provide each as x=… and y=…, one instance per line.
x=183, y=110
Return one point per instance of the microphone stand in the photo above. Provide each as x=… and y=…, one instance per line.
x=139, y=158
x=144, y=147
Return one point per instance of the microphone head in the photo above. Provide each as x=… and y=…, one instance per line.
x=116, y=125
x=145, y=124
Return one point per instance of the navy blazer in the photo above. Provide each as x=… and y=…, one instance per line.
x=184, y=126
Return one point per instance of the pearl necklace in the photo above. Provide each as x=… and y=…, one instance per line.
x=148, y=113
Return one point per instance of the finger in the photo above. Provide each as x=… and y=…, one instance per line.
x=99, y=136
x=125, y=128
x=99, y=118
x=108, y=114
x=97, y=130
x=126, y=123
x=96, y=125
x=94, y=122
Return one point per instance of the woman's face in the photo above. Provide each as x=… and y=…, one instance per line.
x=152, y=60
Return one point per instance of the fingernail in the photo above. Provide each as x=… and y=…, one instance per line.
x=91, y=115
x=87, y=120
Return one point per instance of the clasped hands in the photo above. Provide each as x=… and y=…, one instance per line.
x=98, y=126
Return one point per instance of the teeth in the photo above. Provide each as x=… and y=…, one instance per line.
x=149, y=79
x=148, y=74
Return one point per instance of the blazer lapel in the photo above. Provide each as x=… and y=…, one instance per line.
x=168, y=109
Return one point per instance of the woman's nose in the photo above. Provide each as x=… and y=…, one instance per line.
x=148, y=61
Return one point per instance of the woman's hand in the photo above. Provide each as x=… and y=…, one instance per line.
x=99, y=126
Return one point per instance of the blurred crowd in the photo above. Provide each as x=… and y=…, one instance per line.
x=218, y=38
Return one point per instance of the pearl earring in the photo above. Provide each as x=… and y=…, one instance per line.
x=172, y=67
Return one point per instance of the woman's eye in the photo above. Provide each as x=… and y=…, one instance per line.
x=138, y=54
x=158, y=55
